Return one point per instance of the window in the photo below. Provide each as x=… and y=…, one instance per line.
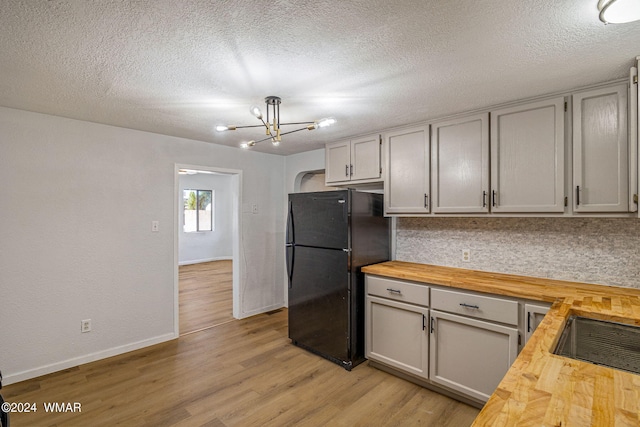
x=198, y=210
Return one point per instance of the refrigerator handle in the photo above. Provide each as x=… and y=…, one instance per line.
x=291, y=249
x=290, y=246
x=290, y=237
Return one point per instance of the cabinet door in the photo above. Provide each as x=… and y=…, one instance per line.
x=632, y=117
x=406, y=188
x=533, y=315
x=468, y=355
x=397, y=335
x=460, y=165
x=600, y=156
x=337, y=162
x=365, y=158
x=527, y=157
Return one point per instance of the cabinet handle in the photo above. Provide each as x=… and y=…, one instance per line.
x=484, y=199
x=394, y=291
x=432, y=322
x=462, y=304
x=528, y=321
x=577, y=195
x=351, y=170
x=426, y=201
x=346, y=170
x=424, y=318
x=493, y=197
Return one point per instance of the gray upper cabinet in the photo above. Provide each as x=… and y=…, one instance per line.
x=527, y=157
x=338, y=162
x=406, y=189
x=353, y=161
x=460, y=165
x=600, y=150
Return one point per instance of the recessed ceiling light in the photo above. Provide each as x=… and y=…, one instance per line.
x=619, y=11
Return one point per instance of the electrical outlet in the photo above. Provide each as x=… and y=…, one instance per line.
x=155, y=226
x=85, y=325
x=466, y=255
x=254, y=208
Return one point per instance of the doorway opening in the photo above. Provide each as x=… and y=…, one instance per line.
x=207, y=247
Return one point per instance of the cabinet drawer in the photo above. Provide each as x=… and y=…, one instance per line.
x=398, y=290
x=481, y=307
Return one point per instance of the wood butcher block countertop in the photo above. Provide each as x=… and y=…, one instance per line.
x=540, y=388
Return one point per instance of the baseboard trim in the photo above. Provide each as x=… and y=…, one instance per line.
x=81, y=360
x=199, y=261
x=261, y=310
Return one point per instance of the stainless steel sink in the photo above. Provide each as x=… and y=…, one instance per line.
x=611, y=344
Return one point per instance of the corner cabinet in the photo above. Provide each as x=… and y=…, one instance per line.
x=406, y=189
x=460, y=165
x=354, y=161
x=600, y=150
x=533, y=315
x=527, y=157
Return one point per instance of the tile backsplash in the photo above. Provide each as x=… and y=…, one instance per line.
x=593, y=250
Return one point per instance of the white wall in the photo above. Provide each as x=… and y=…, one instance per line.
x=208, y=245
x=298, y=164
x=77, y=201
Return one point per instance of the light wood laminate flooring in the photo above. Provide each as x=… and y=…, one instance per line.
x=240, y=373
x=205, y=296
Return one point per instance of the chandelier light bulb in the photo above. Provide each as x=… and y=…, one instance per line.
x=222, y=128
x=326, y=122
x=619, y=11
x=256, y=111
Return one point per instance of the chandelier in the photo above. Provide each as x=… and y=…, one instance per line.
x=272, y=123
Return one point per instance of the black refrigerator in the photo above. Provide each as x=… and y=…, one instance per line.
x=330, y=236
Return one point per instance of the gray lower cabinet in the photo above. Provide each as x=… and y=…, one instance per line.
x=398, y=335
x=396, y=318
x=469, y=355
x=459, y=342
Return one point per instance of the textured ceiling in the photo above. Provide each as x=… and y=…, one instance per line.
x=182, y=67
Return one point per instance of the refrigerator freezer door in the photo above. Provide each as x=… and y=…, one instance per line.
x=319, y=302
x=319, y=219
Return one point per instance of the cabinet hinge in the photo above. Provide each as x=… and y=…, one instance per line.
x=565, y=105
x=635, y=79
x=635, y=199
x=519, y=339
x=380, y=170
x=566, y=201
